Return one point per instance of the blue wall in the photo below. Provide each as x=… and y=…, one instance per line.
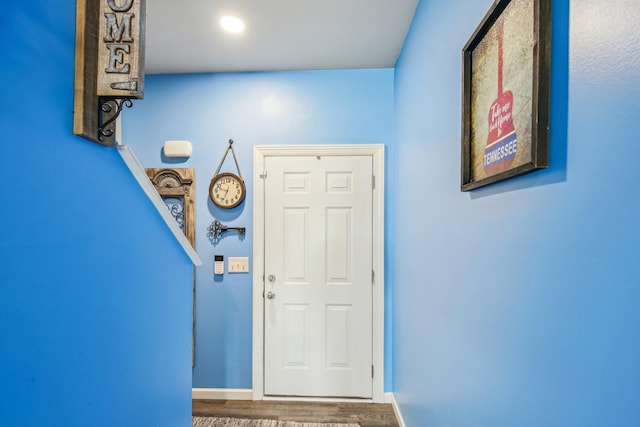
x=517, y=304
x=95, y=293
x=301, y=107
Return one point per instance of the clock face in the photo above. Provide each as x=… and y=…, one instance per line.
x=226, y=190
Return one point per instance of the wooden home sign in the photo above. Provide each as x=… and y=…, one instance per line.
x=120, y=49
x=109, y=64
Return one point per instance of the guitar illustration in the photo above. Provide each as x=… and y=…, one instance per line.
x=502, y=142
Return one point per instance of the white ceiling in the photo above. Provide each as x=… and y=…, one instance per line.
x=184, y=36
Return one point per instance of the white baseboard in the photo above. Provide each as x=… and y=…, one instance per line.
x=221, y=394
x=390, y=397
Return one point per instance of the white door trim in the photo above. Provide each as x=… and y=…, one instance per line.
x=259, y=154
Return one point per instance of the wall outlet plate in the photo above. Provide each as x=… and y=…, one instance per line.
x=238, y=264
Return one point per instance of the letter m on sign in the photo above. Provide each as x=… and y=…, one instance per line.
x=118, y=33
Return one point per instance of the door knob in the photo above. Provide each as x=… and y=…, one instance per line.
x=272, y=278
x=271, y=295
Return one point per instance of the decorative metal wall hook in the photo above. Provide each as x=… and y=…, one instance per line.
x=216, y=229
x=110, y=107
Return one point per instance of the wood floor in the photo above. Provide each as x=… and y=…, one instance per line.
x=365, y=414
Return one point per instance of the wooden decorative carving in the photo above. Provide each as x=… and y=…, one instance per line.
x=176, y=186
x=177, y=183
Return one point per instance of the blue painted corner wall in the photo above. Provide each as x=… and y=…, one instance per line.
x=517, y=304
x=95, y=292
x=295, y=107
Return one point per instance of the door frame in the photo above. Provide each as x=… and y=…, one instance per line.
x=260, y=152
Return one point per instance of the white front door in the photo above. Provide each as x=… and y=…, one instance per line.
x=318, y=276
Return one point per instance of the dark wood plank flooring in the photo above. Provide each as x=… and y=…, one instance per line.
x=365, y=414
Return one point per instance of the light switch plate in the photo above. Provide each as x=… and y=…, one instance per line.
x=238, y=264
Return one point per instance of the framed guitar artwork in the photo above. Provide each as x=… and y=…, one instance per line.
x=505, y=93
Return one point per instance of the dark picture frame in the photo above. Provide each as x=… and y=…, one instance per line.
x=505, y=93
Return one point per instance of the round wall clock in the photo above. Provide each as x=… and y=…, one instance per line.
x=227, y=190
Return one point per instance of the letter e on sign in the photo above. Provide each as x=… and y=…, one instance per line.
x=121, y=49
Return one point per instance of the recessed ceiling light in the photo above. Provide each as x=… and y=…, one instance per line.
x=232, y=24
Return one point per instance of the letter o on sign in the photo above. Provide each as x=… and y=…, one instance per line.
x=126, y=6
